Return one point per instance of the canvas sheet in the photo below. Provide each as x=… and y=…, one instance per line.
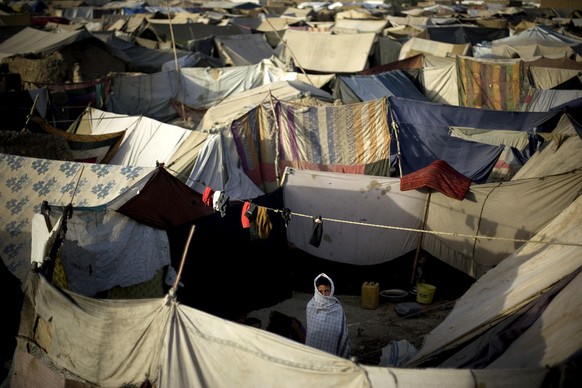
x=243, y=49
x=555, y=63
x=386, y=51
x=133, y=94
x=542, y=100
x=530, y=51
x=558, y=156
x=361, y=215
x=217, y=167
x=373, y=87
x=237, y=104
x=123, y=342
x=558, y=326
x=465, y=33
x=540, y=34
x=493, y=212
x=107, y=342
x=440, y=84
x=35, y=41
x=26, y=182
x=520, y=278
x=184, y=32
x=440, y=49
x=416, y=21
x=490, y=84
x=146, y=142
x=204, y=87
x=548, y=78
x=86, y=148
x=327, y=53
x=414, y=62
x=357, y=26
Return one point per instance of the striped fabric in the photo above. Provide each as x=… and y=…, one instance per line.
x=352, y=138
x=490, y=85
x=334, y=138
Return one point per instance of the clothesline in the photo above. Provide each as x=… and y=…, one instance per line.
x=287, y=214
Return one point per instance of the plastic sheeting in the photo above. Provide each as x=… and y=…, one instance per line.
x=477, y=234
x=128, y=342
x=358, y=212
x=519, y=279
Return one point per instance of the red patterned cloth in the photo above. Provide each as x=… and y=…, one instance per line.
x=440, y=176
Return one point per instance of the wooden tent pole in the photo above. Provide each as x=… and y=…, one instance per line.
x=418, y=247
x=277, y=132
x=184, y=254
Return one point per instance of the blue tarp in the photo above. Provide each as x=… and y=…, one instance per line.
x=423, y=134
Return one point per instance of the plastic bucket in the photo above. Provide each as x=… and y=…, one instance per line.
x=425, y=293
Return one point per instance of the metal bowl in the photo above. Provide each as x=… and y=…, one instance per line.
x=394, y=295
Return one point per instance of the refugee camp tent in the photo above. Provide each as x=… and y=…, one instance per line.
x=234, y=106
x=184, y=32
x=424, y=134
x=538, y=282
x=350, y=138
x=366, y=219
x=352, y=88
x=327, y=53
x=217, y=167
x=243, y=49
x=417, y=45
x=465, y=33
x=34, y=41
x=531, y=43
x=198, y=88
x=477, y=234
x=26, y=182
x=150, y=341
x=146, y=141
x=440, y=79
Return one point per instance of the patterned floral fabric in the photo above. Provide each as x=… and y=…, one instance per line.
x=26, y=182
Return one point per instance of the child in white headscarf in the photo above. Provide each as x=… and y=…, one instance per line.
x=327, y=327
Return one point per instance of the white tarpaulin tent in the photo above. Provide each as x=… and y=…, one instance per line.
x=113, y=343
x=34, y=41
x=476, y=234
x=146, y=142
x=361, y=215
x=238, y=104
x=547, y=184
x=196, y=87
x=415, y=46
x=525, y=275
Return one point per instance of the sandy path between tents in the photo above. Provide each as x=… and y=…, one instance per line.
x=370, y=330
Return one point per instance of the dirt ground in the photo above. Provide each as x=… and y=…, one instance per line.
x=370, y=330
